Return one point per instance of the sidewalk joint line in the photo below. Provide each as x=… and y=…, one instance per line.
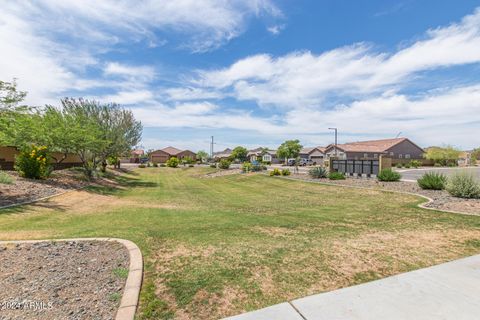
x=298, y=311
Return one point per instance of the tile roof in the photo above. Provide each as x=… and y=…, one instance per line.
x=138, y=152
x=171, y=150
x=309, y=150
x=379, y=146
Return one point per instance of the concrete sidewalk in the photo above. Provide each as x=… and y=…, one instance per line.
x=447, y=291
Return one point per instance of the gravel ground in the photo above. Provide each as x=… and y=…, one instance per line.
x=62, y=280
x=23, y=190
x=442, y=200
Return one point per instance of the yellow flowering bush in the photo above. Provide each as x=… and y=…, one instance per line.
x=33, y=163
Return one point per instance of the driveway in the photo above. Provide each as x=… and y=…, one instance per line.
x=414, y=174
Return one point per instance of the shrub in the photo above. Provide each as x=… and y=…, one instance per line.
x=213, y=165
x=33, y=163
x=389, y=175
x=191, y=165
x=318, y=172
x=149, y=164
x=432, y=181
x=142, y=166
x=246, y=167
x=436, y=164
x=285, y=172
x=336, y=176
x=399, y=165
x=155, y=165
x=163, y=165
x=5, y=178
x=463, y=185
x=275, y=172
x=172, y=162
x=407, y=165
x=224, y=164
x=415, y=163
x=451, y=164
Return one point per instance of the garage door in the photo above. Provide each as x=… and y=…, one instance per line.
x=159, y=159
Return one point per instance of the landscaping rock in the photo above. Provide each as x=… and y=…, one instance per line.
x=55, y=280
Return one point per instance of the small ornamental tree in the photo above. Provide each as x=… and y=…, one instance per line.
x=202, y=156
x=33, y=163
x=289, y=149
x=239, y=153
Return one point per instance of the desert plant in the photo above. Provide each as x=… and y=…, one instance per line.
x=224, y=164
x=275, y=172
x=415, y=163
x=463, y=185
x=172, y=162
x=246, y=167
x=389, y=175
x=336, y=176
x=318, y=172
x=33, y=163
x=285, y=172
x=5, y=178
x=432, y=181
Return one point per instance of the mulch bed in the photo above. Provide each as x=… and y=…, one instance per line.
x=25, y=190
x=62, y=280
x=442, y=200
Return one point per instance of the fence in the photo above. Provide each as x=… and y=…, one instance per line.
x=359, y=167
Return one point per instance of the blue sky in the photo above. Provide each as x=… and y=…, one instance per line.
x=257, y=72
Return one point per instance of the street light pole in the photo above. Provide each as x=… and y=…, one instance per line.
x=335, y=140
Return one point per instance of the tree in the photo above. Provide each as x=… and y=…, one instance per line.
x=12, y=116
x=239, y=153
x=475, y=156
x=202, y=155
x=443, y=155
x=289, y=149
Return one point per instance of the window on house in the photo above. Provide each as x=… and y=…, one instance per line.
x=407, y=156
x=400, y=156
x=267, y=157
x=365, y=155
x=392, y=154
x=375, y=155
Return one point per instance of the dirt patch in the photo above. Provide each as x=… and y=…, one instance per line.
x=65, y=280
x=275, y=231
x=221, y=173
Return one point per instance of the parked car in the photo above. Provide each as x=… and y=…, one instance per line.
x=291, y=162
x=306, y=162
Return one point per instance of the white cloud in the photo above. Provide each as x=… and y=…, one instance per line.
x=276, y=29
x=142, y=73
x=301, y=78
x=50, y=45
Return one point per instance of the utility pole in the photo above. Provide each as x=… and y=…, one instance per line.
x=211, y=147
x=335, y=140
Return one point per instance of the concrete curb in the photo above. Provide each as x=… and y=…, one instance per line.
x=420, y=205
x=39, y=199
x=131, y=293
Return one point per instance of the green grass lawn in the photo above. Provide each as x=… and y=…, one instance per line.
x=220, y=246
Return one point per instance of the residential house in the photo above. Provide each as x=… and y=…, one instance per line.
x=135, y=155
x=315, y=154
x=399, y=149
x=57, y=159
x=162, y=155
x=220, y=155
x=263, y=155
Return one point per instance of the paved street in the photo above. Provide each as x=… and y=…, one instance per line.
x=446, y=291
x=414, y=174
